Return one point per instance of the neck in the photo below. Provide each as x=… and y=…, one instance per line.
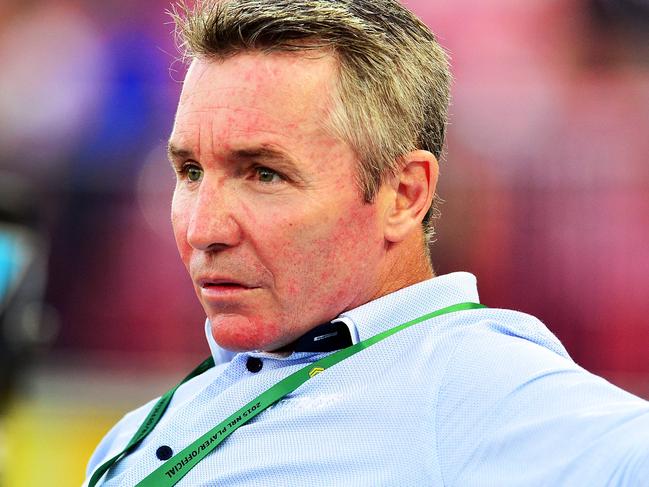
x=406, y=263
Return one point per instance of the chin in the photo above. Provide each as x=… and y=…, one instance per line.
x=240, y=333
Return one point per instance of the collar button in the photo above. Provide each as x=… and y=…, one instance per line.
x=254, y=364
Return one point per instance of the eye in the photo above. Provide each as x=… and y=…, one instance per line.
x=193, y=172
x=266, y=175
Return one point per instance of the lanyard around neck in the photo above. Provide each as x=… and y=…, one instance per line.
x=170, y=472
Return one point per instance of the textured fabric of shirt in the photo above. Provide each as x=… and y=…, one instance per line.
x=484, y=397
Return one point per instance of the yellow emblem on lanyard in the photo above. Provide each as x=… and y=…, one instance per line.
x=315, y=371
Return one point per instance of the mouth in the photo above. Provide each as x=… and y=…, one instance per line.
x=222, y=287
x=218, y=281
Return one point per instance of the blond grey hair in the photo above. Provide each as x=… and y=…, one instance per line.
x=393, y=89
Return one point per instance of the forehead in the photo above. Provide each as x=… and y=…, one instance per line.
x=254, y=91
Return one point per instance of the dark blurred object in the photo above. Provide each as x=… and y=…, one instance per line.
x=623, y=27
x=26, y=323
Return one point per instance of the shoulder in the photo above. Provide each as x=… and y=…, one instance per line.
x=481, y=345
x=119, y=435
x=511, y=392
x=491, y=328
x=497, y=351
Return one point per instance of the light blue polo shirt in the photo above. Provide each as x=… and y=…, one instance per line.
x=484, y=397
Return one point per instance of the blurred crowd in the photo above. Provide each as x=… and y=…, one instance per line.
x=545, y=181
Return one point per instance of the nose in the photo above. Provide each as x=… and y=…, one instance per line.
x=213, y=221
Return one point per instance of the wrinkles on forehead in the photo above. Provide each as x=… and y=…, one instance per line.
x=260, y=115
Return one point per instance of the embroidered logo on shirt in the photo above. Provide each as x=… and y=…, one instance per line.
x=307, y=403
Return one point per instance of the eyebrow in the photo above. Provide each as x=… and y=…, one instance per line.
x=257, y=153
x=263, y=153
x=174, y=152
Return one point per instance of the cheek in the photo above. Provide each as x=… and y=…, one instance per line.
x=279, y=235
x=353, y=236
x=330, y=258
x=179, y=226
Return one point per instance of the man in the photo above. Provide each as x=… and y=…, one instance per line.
x=306, y=145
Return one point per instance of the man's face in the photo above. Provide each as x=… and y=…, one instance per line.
x=267, y=214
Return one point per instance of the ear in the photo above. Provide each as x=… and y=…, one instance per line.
x=413, y=191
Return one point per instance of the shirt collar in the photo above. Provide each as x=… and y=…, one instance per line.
x=390, y=310
x=411, y=302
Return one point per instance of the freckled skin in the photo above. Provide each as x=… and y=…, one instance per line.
x=309, y=245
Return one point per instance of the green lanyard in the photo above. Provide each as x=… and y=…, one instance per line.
x=170, y=472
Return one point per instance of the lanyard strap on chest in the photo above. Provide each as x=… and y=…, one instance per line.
x=170, y=472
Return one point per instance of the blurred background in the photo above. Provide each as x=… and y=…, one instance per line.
x=546, y=185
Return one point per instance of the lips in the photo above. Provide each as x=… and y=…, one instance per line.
x=225, y=287
x=216, y=287
x=211, y=282
x=221, y=284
